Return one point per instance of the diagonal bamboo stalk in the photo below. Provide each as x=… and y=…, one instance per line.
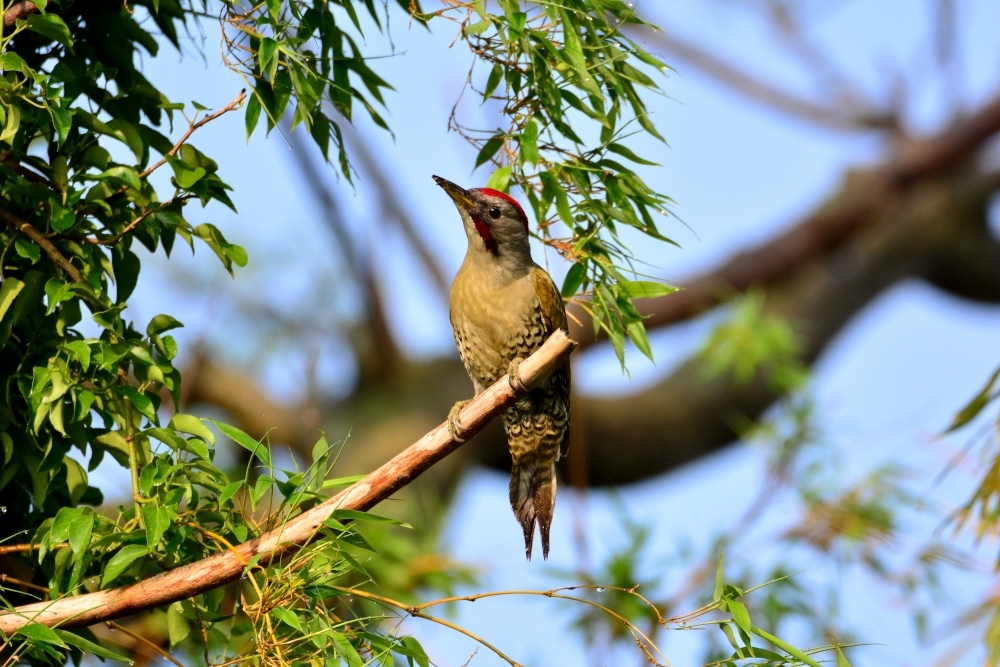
x=227, y=566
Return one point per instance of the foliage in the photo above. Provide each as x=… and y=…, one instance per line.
x=570, y=82
x=82, y=129
x=806, y=532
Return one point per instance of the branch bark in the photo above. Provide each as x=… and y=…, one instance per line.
x=224, y=567
x=53, y=252
x=763, y=92
x=19, y=10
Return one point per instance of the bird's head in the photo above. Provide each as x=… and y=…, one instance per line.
x=494, y=222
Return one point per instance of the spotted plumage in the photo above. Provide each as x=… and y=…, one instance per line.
x=503, y=308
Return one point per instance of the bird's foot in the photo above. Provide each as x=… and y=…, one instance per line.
x=514, y=376
x=454, y=423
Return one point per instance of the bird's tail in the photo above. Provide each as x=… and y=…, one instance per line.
x=533, y=498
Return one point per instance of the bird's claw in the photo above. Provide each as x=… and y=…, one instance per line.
x=514, y=376
x=454, y=423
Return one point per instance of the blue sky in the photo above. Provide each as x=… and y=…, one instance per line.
x=739, y=173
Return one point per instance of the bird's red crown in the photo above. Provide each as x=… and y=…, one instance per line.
x=506, y=197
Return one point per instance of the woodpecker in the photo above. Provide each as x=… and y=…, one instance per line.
x=503, y=307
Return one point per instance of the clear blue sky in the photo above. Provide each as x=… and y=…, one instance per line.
x=738, y=172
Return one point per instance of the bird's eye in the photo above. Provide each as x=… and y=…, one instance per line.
x=494, y=212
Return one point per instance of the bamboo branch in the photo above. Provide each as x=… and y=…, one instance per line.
x=227, y=566
x=24, y=548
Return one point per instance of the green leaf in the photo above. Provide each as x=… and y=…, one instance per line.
x=342, y=481
x=108, y=318
x=645, y=289
x=126, y=268
x=157, y=520
x=11, y=124
x=529, y=142
x=267, y=58
x=9, y=289
x=496, y=76
x=76, y=476
x=230, y=491
x=51, y=26
x=245, y=441
x=288, y=617
x=476, y=28
x=354, y=515
x=489, y=149
x=345, y=650
x=141, y=402
x=740, y=614
x=192, y=425
x=161, y=323
x=786, y=647
x=125, y=175
x=25, y=248
x=61, y=218
x=637, y=332
x=90, y=647
x=121, y=561
x=80, y=529
x=964, y=416
x=252, y=114
x=500, y=179
x=185, y=174
x=57, y=291
x=412, y=648
x=626, y=152
x=574, y=278
x=62, y=120
x=40, y=634
x=178, y=626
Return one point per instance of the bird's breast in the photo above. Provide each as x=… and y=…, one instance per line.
x=490, y=320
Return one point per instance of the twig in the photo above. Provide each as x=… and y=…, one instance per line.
x=28, y=230
x=416, y=613
x=139, y=638
x=7, y=579
x=194, y=126
x=22, y=548
x=222, y=568
x=111, y=240
x=759, y=90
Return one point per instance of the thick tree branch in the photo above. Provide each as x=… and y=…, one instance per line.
x=224, y=567
x=19, y=10
x=759, y=90
x=842, y=216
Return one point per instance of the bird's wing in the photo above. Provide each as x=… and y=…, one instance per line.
x=550, y=300
x=553, y=313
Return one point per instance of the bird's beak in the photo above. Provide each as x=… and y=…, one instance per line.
x=459, y=194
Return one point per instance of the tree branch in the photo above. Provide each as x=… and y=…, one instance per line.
x=28, y=230
x=19, y=10
x=191, y=129
x=227, y=566
x=759, y=90
x=861, y=196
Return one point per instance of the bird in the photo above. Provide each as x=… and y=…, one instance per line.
x=503, y=307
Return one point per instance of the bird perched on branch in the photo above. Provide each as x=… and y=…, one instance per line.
x=503, y=307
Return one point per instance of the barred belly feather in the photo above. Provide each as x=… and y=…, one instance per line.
x=490, y=334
